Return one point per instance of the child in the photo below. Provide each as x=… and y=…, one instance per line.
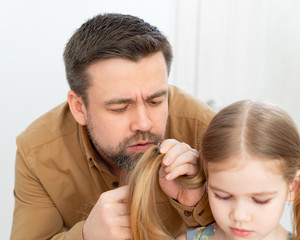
x=251, y=158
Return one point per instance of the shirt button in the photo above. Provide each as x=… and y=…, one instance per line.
x=201, y=213
x=91, y=161
x=115, y=184
x=187, y=213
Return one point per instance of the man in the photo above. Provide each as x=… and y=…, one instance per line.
x=70, y=162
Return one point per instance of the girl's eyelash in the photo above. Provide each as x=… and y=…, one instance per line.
x=262, y=202
x=222, y=198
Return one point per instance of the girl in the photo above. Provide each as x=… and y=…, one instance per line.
x=250, y=155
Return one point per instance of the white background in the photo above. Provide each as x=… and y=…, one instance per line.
x=224, y=51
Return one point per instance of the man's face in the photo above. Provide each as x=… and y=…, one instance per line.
x=128, y=107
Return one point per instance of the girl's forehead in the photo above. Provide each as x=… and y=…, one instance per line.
x=238, y=162
x=246, y=177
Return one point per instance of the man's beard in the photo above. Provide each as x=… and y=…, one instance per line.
x=119, y=156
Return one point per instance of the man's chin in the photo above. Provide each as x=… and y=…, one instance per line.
x=131, y=161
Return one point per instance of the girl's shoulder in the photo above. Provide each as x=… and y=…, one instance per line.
x=291, y=236
x=201, y=233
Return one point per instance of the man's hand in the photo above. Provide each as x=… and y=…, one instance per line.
x=180, y=159
x=109, y=219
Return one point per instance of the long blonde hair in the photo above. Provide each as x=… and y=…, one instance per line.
x=143, y=183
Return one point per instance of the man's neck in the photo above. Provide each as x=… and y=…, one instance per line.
x=113, y=168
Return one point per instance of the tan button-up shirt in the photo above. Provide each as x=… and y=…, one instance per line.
x=58, y=179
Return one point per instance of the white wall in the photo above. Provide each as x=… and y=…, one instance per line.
x=244, y=49
x=224, y=50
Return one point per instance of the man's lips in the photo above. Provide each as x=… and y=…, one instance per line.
x=140, y=146
x=240, y=232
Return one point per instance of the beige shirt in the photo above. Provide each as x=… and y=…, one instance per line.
x=58, y=180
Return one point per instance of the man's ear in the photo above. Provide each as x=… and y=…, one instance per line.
x=77, y=108
x=294, y=187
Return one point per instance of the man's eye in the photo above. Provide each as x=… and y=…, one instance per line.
x=222, y=197
x=154, y=103
x=120, y=109
x=262, y=202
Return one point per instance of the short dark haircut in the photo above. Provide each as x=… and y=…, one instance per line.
x=107, y=36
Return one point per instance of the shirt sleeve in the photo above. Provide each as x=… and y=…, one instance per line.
x=35, y=215
x=200, y=215
x=75, y=233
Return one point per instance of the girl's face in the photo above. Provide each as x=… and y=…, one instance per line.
x=247, y=199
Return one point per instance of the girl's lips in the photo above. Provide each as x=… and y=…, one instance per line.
x=141, y=147
x=240, y=232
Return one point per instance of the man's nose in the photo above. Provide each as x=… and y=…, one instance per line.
x=141, y=120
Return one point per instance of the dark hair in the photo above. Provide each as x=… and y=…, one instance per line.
x=110, y=36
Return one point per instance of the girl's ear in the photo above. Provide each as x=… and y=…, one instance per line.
x=77, y=108
x=294, y=187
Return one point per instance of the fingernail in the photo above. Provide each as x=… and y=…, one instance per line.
x=162, y=150
x=167, y=169
x=166, y=161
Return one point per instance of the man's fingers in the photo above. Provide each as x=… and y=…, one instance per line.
x=180, y=159
x=120, y=233
x=109, y=218
x=123, y=221
x=175, y=151
x=188, y=157
x=185, y=169
x=115, y=195
x=116, y=209
x=167, y=144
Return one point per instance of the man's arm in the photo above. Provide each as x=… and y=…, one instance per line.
x=37, y=218
x=35, y=215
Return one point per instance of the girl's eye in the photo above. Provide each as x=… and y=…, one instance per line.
x=262, y=202
x=222, y=197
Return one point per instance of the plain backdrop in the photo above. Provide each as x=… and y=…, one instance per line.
x=223, y=51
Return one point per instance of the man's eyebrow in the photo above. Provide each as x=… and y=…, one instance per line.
x=157, y=94
x=129, y=100
x=118, y=101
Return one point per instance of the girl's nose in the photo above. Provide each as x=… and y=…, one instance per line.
x=240, y=213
